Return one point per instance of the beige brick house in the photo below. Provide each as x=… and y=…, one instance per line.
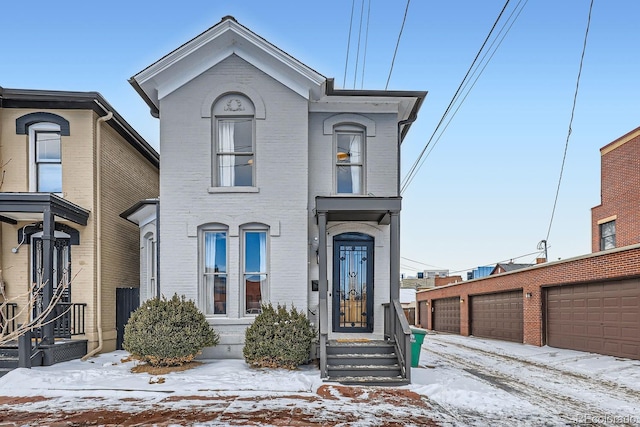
x=70, y=165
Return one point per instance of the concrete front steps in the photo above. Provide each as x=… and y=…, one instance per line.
x=364, y=363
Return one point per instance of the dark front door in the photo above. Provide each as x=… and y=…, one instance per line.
x=353, y=283
x=61, y=279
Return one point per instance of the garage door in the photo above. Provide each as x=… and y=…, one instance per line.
x=446, y=315
x=497, y=316
x=601, y=318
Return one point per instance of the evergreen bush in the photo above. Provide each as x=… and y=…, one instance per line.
x=167, y=332
x=278, y=338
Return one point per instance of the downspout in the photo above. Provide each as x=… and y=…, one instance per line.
x=98, y=219
x=158, y=249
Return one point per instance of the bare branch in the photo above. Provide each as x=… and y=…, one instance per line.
x=32, y=296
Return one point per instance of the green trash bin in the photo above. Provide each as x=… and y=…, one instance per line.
x=417, y=338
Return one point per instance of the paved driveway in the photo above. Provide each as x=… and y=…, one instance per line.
x=488, y=382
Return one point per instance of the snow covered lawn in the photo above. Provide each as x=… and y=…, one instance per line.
x=460, y=381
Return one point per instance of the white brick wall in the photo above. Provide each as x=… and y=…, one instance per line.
x=281, y=176
x=294, y=163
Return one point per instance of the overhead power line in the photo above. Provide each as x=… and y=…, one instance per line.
x=395, y=52
x=422, y=263
x=467, y=87
x=497, y=262
x=366, y=43
x=355, y=70
x=346, y=62
x=417, y=163
x=573, y=109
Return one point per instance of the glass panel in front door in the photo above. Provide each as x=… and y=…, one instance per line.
x=352, y=286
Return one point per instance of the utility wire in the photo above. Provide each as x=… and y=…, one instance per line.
x=366, y=43
x=422, y=263
x=409, y=179
x=573, y=109
x=498, y=262
x=413, y=170
x=355, y=71
x=346, y=62
x=397, y=44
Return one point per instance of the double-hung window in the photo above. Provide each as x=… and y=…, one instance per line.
x=150, y=264
x=255, y=276
x=48, y=161
x=234, y=142
x=349, y=166
x=214, y=289
x=608, y=235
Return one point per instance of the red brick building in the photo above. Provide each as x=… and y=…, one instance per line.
x=616, y=221
x=586, y=303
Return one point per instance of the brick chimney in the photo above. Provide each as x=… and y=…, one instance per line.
x=540, y=260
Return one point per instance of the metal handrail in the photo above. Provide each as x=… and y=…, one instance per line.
x=398, y=331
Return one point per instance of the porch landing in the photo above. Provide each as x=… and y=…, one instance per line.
x=46, y=355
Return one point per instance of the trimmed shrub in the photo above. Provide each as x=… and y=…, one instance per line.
x=278, y=338
x=166, y=332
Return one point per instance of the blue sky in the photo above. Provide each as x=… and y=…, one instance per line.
x=486, y=191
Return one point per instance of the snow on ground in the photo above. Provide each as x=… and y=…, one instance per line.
x=462, y=381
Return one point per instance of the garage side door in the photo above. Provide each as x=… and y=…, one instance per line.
x=601, y=318
x=423, y=313
x=446, y=315
x=498, y=316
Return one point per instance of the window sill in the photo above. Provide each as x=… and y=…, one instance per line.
x=214, y=190
x=230, y=320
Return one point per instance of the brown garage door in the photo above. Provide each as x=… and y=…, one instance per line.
x=446, y=315
x=601, y=318
x=497, y=316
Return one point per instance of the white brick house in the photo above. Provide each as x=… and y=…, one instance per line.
x=272, y=183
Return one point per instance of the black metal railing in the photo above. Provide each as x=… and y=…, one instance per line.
x=397, y=330
x=69, y=319
x=8, y=317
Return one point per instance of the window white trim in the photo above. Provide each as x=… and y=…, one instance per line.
x=607, y=235
x=206, y=107
x=353, y=157
x=211, y=307
x=150, y=265
x=262, y=272
x=230, y=162
x=348, y=118
x=33, y=165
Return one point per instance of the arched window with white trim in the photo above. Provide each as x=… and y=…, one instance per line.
x=349, y=159
x=234, y=142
